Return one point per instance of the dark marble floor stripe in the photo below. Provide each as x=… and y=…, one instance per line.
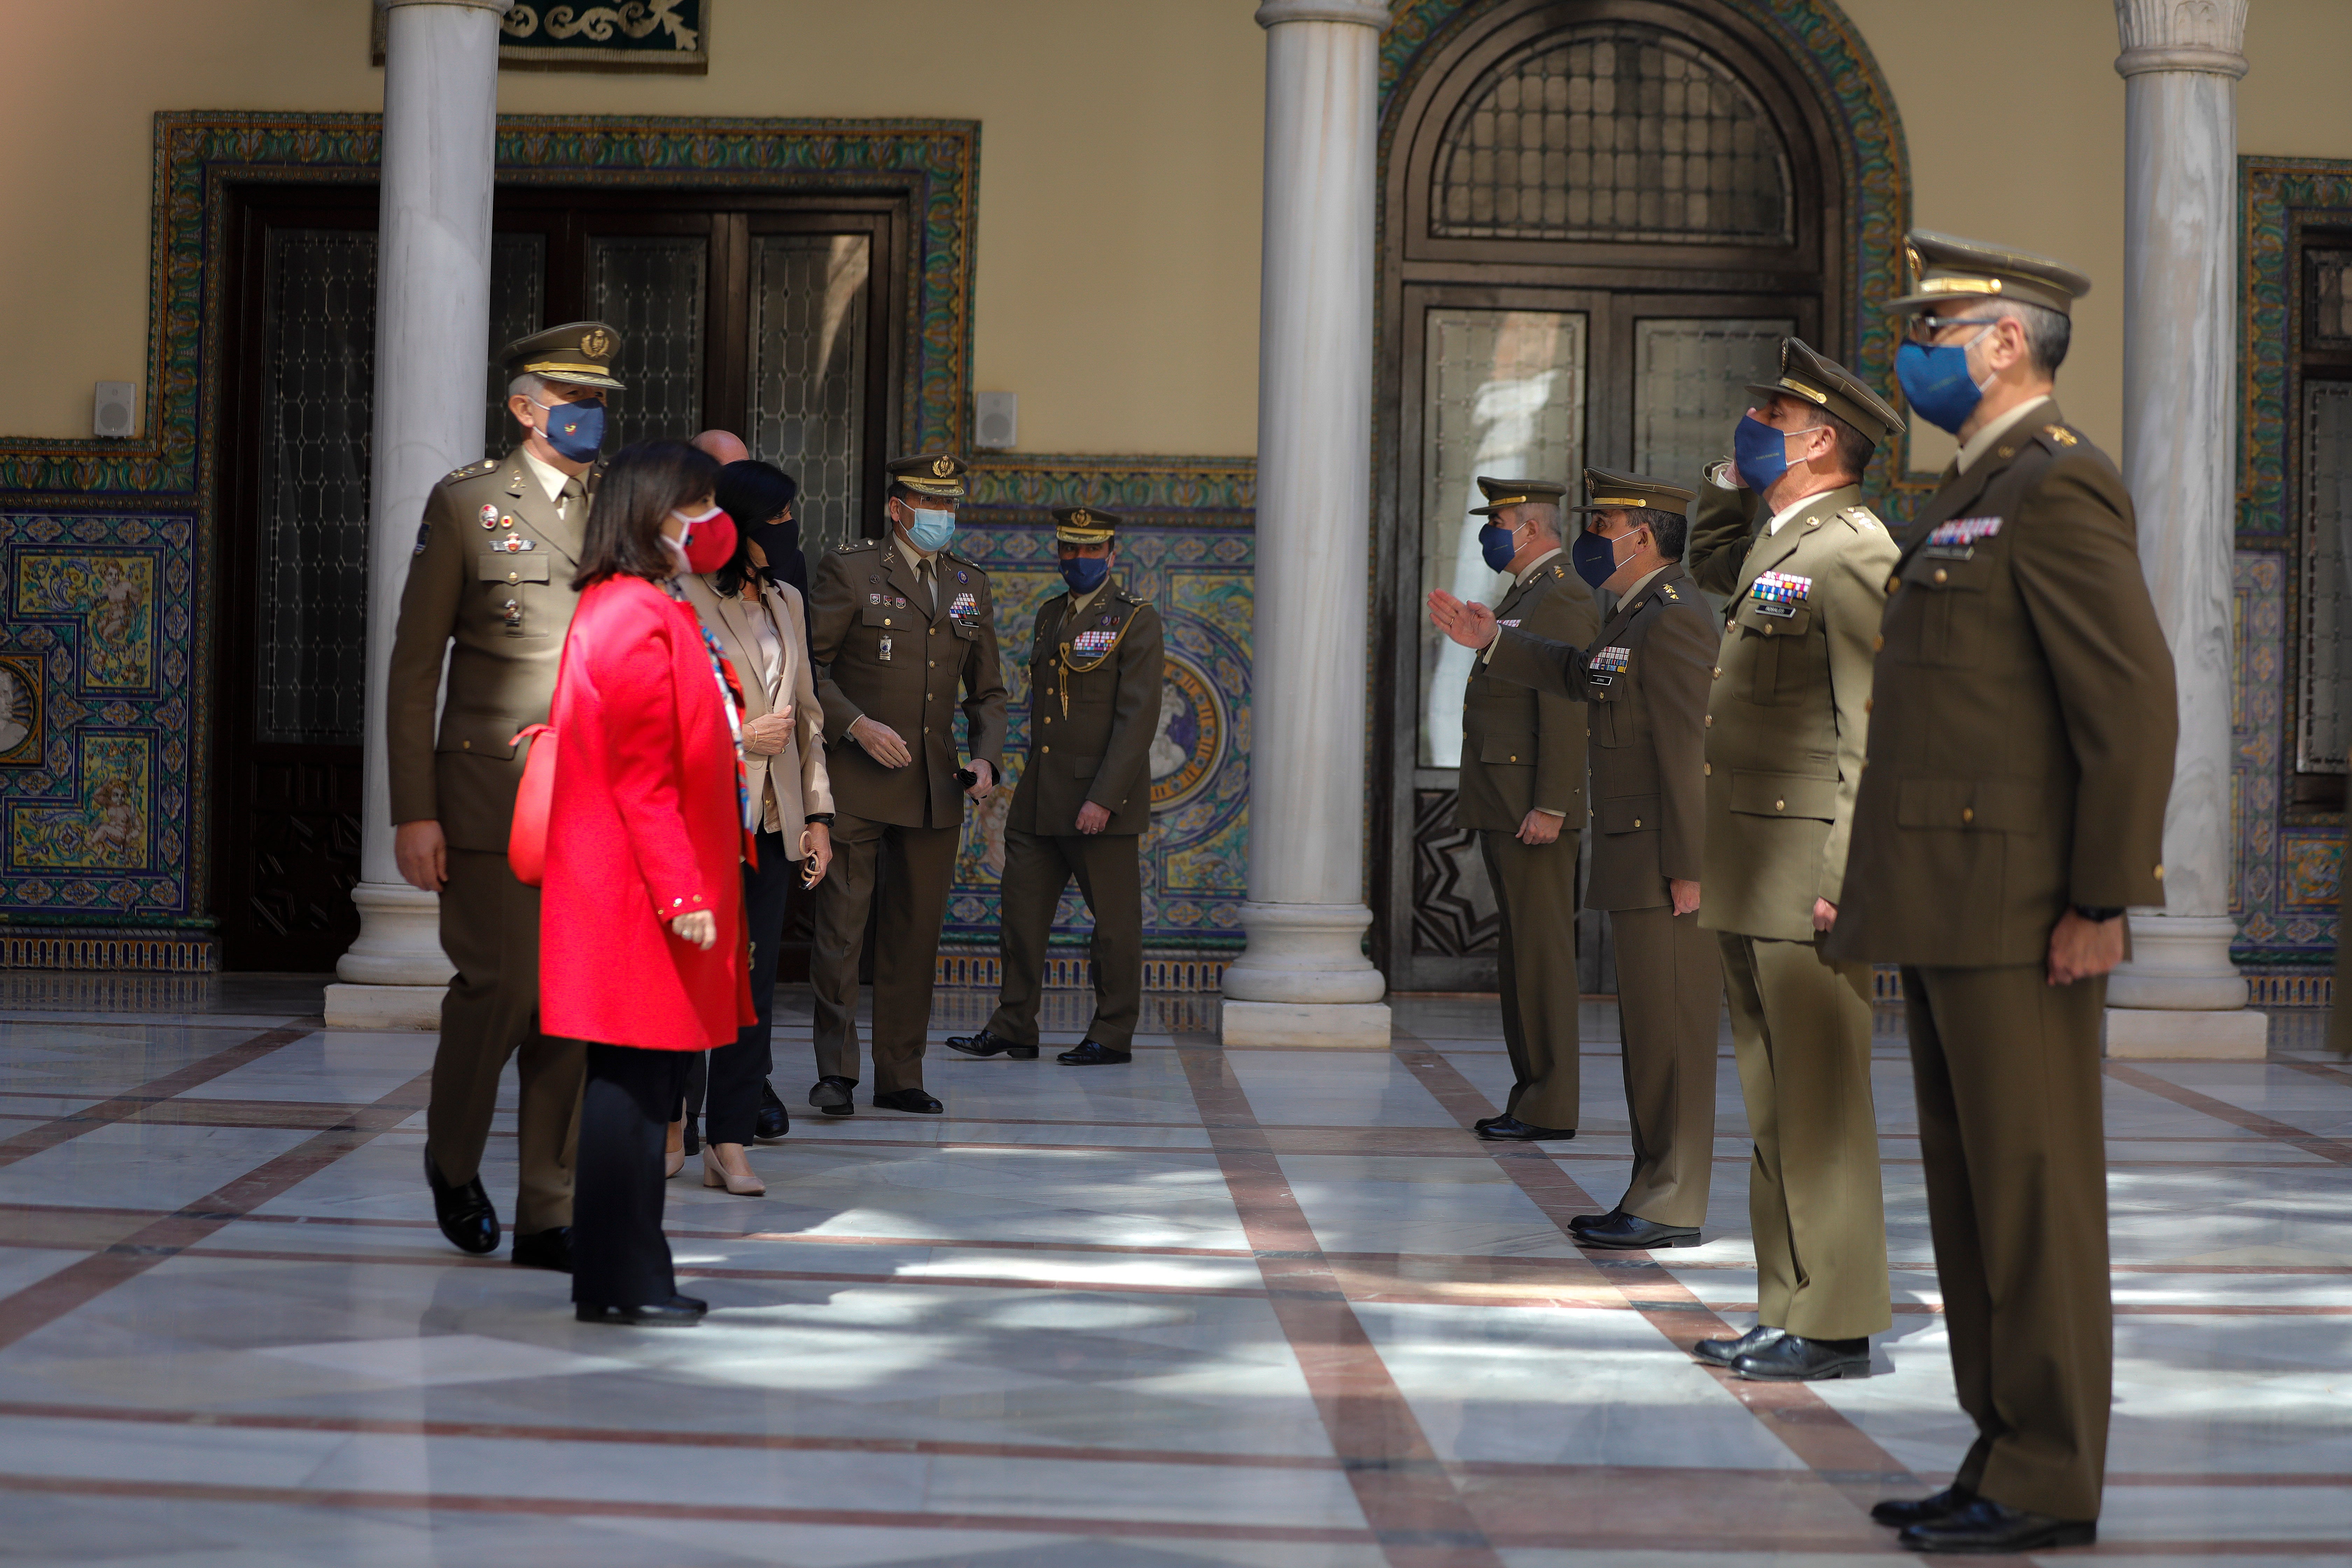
x=130, y=1102
x=2334, y=1149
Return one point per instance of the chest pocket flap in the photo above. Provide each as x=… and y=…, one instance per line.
x=525, y=568
x=1773, y=620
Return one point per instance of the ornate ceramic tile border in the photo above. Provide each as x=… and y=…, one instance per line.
x=2287, y=869
x=1827, y=52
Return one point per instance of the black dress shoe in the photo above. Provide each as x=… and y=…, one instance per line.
x=1485, y=1122
x=1511, y=1129
x=464, y=1212
x=985, y=1044
x=550, y=1249
x=1579, y=1224
x=1622, y=1232
x=677, y=1312
x=832, y=1095
x=1987, y=1527
x=773, y=1120
x=1900, y=1514
x=1089, y=1054
x=1792, y=1358
x=912, y=1100
x=1723, y=1353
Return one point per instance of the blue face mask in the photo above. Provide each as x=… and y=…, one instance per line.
x=576, y=430
x=1594, y=558
x=1495, y=545
x=1936, y=383
x=931, y=531
x=1085, y=573
x=1759, y=452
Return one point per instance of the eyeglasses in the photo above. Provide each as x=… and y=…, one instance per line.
x=1923, y=329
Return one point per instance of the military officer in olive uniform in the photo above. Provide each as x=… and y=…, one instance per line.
x=2013, y=806
x=1781, y=532
x=490, y=589
x=1644, y=678
x=1522, y=792
x=1095, y=673
x=897, y=627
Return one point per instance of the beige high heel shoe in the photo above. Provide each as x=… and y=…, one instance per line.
x=724, y=1165
x=673, y=1149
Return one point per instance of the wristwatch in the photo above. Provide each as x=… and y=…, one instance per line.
x=824, y=817
x=2096, y=913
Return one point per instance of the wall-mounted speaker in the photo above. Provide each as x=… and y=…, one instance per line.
x=996, y=420
x=115, y=410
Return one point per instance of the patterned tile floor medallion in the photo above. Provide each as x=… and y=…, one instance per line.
x=1261, y=1307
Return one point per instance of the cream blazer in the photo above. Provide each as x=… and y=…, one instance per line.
x=794, y=780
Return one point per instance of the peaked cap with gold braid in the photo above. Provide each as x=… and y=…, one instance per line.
x=1502, y=493
x=1605, y=491
x=1086, y=525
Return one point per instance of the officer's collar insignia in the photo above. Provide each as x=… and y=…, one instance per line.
x=1668, y=590
x=2059, y=433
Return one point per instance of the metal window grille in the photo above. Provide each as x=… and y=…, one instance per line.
x=808, y=375
x=1690, y=387
x=1613, y=131
x=517, y=309
x=654, y=291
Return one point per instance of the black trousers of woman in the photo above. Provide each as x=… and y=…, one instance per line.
x=732, y=1113
x=619, y=1255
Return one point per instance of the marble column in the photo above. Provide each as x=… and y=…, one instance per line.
x=1304, y=979
x=433, y=317
x=2180, y=995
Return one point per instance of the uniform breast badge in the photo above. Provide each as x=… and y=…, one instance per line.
x=1603, y=667
x=512, y=545
x=424, y=538
x=965, y=606
x=1956, y=540
x=1779, y=592
x=883, y=653
x=1092, y=642
x=489, y=515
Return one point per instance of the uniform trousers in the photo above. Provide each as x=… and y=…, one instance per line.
x=490, y=929
x=2006, y=1067
x=1800, y=1029
x=1109, y=870
x=1669, y=1006
x=907, y=871
x=1535, y=894
x=619, y=1255
x=738, y=1068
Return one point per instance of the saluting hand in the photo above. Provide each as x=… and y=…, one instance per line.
x=700, y=927
x=880, y=742
x=1471, y=624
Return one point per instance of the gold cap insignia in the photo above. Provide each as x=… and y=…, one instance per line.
x=944, y=466
x=597, y=343
x=1082, y=518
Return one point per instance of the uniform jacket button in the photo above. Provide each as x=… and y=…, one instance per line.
x=1780, y=805
x=1893, y=584
x=1710, y=721
x=1042, y=750
x=886, y=620
x=1866, y=702
x=1877, y=642
x=1942, y=575
x=1637, y=822
x=1718, y=672
x=1968, y=814
x=1706, y=769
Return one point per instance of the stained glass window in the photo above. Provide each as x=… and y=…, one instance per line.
x=1617, y=132
x=808, y=374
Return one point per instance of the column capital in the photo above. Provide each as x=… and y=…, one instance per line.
x=2206, y=35
x=500, y=6
x=1371, y=14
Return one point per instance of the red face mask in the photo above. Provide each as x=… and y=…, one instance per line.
x=708, y=541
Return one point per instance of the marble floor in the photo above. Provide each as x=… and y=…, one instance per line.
x=1260, y=1307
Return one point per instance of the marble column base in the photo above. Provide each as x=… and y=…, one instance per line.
x=400, y=939
x=1348, y=1025
x=2179, y=963
x=2155, y=1035
x=1305, y=952
x=410, y=1008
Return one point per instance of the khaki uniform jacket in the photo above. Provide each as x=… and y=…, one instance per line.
x=1522, y=749
x=1648, y=733
x=878, y=650
x=794, y=782
x=1788, y=719
x=492, y=573
x=2021, y=749
x=1092, y=721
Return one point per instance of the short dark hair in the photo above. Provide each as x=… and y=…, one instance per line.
x=2048, y=332
x=753, y=493
x=1854, y=449
x=641, y=486
x=1669, y=530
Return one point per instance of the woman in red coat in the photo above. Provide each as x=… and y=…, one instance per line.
x=641, y=930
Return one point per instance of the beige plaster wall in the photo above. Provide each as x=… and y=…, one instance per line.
x=1118, y=289
x=1118, y=283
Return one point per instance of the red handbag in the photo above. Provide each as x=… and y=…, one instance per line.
x=527, y=840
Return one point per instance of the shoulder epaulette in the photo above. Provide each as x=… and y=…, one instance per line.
x=2057, y=437
x=855, y=545
x=1861, y=517
x=1126, y=597
x=1668, y=590
x=471, y=470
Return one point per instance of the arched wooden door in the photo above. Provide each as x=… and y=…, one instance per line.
x=1598, y=219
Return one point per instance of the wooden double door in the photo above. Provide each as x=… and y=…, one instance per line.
x=777, y=317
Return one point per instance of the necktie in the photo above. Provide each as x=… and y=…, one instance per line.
x=930, y=593
x=572, y=490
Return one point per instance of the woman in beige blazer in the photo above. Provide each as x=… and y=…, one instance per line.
x=762, y=629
